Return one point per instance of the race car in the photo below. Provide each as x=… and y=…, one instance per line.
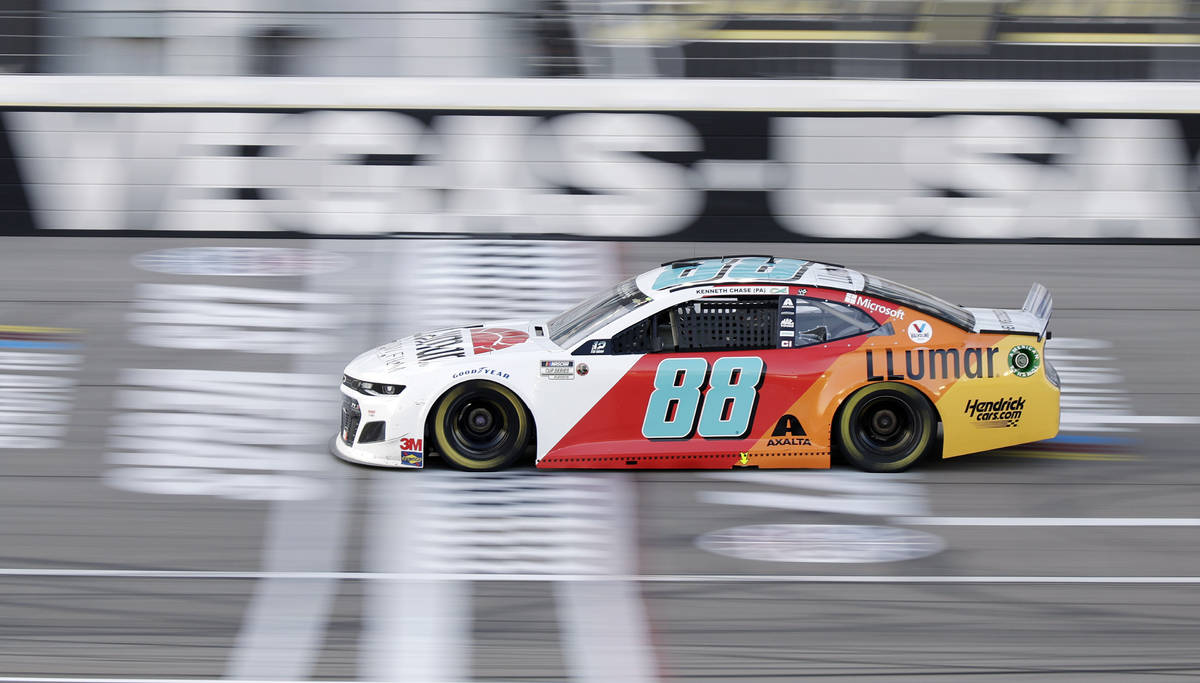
x=723, y=362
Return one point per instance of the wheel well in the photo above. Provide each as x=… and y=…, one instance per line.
x=837, y=414
x=479, y=382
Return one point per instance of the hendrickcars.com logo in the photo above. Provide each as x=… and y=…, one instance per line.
x=1005, y=412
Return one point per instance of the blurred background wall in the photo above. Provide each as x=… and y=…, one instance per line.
x=769, y=120
x=927, y=39
x=766, y=120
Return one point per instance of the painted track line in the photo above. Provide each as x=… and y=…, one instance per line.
x=137, y=679
x=1049, y=521
x=643, y=578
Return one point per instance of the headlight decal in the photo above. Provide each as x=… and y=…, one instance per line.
x=372, y=388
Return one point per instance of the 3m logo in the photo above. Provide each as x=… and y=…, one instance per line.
x=410, y=444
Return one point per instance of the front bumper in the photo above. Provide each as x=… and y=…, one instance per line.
x=362, y=455
x=382, y=431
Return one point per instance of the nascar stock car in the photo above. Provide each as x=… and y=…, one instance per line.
x=740, y=361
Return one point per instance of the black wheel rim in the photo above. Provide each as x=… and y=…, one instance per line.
x=886, y=428
x=480, y=425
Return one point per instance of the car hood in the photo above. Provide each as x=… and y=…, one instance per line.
x=445, y=347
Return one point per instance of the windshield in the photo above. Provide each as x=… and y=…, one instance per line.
x=575, y=324
x=915, y=298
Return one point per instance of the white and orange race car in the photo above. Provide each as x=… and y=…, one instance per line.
x=738, y=361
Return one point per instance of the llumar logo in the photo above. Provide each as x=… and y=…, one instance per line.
x=973, y=363
x=874, y=306
x=1005, y=412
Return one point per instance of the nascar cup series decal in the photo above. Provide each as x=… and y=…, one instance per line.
x=920, y=331
x=1023, y=360
x=558, y=369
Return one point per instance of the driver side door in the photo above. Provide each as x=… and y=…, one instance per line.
x=713, y=379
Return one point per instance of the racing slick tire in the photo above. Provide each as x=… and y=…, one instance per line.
x=885, y=427
x=480, y=426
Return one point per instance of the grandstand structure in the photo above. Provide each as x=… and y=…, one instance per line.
x=763, y=39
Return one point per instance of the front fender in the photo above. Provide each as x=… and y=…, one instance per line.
x=522, y=391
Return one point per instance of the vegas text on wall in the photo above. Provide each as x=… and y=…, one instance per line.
x=650, y=175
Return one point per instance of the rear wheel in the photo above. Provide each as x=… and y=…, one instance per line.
x=480, y=426
x=885, y=427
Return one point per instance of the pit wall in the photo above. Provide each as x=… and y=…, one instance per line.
x=611, y=159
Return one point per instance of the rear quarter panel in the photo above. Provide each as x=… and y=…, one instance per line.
x=981, y=401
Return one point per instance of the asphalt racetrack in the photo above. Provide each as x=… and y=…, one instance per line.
x=170, y=509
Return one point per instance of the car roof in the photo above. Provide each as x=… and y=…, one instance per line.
x=671, y=276
x=760, y=269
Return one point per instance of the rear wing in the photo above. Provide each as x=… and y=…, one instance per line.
x=1039, y=304
x=1032, y=318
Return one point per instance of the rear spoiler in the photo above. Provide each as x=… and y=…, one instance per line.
x=1039, y=304
x=1033, y=318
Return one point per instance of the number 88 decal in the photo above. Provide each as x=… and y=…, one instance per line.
x=725, y=410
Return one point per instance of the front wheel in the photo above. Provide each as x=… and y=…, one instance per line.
x=480, y=426
x=885, y=427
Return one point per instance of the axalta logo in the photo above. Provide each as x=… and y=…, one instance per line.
x=874, y=306
x=1005, y=412
x=788, y=432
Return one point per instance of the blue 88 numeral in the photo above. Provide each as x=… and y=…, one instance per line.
x=726, y=409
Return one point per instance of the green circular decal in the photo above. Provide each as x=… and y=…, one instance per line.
x=1023, y=360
